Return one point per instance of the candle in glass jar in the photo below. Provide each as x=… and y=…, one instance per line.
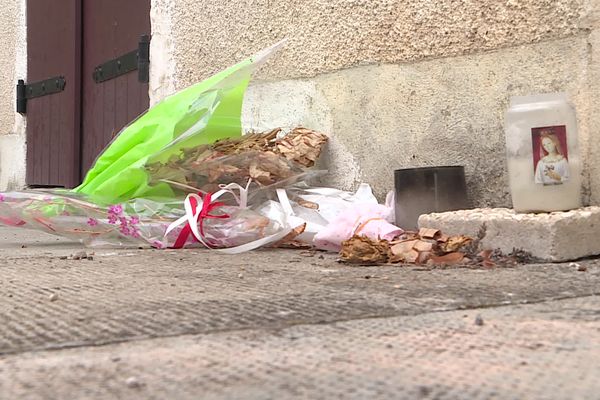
x=544, y=165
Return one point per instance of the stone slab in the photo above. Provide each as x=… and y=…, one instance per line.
x=285, y=324
x=49, y=301
x=556, y=236
x=538, y=351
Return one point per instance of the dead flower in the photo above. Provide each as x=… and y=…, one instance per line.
x=365, y=251
x=263, y=157
x=455, y=243
x=302, y=146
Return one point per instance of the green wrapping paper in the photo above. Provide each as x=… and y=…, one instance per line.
x=200, y=114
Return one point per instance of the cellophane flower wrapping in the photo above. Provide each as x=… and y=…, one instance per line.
x=138, y=222
x=189, y=143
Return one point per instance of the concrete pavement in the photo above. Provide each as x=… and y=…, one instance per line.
x=194, y=324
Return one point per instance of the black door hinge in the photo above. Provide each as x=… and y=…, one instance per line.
x=37, y=89
x=134, y=60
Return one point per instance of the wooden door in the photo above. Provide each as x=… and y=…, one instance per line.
x=53, y=121
x=67, y=130
x=111, y=28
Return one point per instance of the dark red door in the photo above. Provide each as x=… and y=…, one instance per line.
x=53, y=121
x=67, y=130
x=111, y=28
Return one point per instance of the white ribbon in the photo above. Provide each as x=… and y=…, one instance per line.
x=285, y=202
x=242, y=199
x=190, y=217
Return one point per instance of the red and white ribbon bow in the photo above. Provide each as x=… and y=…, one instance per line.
x=198, y=207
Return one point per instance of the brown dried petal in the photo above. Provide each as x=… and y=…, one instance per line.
x=292, y=235
x=411, y=256
x=403, y=247
x=422, y=245
x=423, y=257
x=216, y=171
x=428, y=233
x=259, y=175
x=448, y=259
x=485, y=254
x=308, y=204
x=302, y=146
x=443, y=238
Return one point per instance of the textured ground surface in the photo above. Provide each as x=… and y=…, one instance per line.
x=285, y=324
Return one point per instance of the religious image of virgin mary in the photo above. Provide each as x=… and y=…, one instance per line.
x=553, y=167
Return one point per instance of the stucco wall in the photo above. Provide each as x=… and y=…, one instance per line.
x=13, y=58
x=431, y=113
x=8, y=14
x=328, y=35
x=591, y=107
x=162, y=74
x=399, y=83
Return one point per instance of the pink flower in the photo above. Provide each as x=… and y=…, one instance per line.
x=134, y=221
x=124, y=230
x=116, y=209
x=123, y=221
x=112, y=219
x=92, y=222
x=1, y=197
x=157, y=244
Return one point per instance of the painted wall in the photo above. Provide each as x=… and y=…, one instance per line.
x=13, y=59
x=395, y=83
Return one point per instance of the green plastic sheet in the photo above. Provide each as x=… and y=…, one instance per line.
x=200, y=114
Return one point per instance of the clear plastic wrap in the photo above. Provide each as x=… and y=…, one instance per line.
x=153, y=184
x=138, y=222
